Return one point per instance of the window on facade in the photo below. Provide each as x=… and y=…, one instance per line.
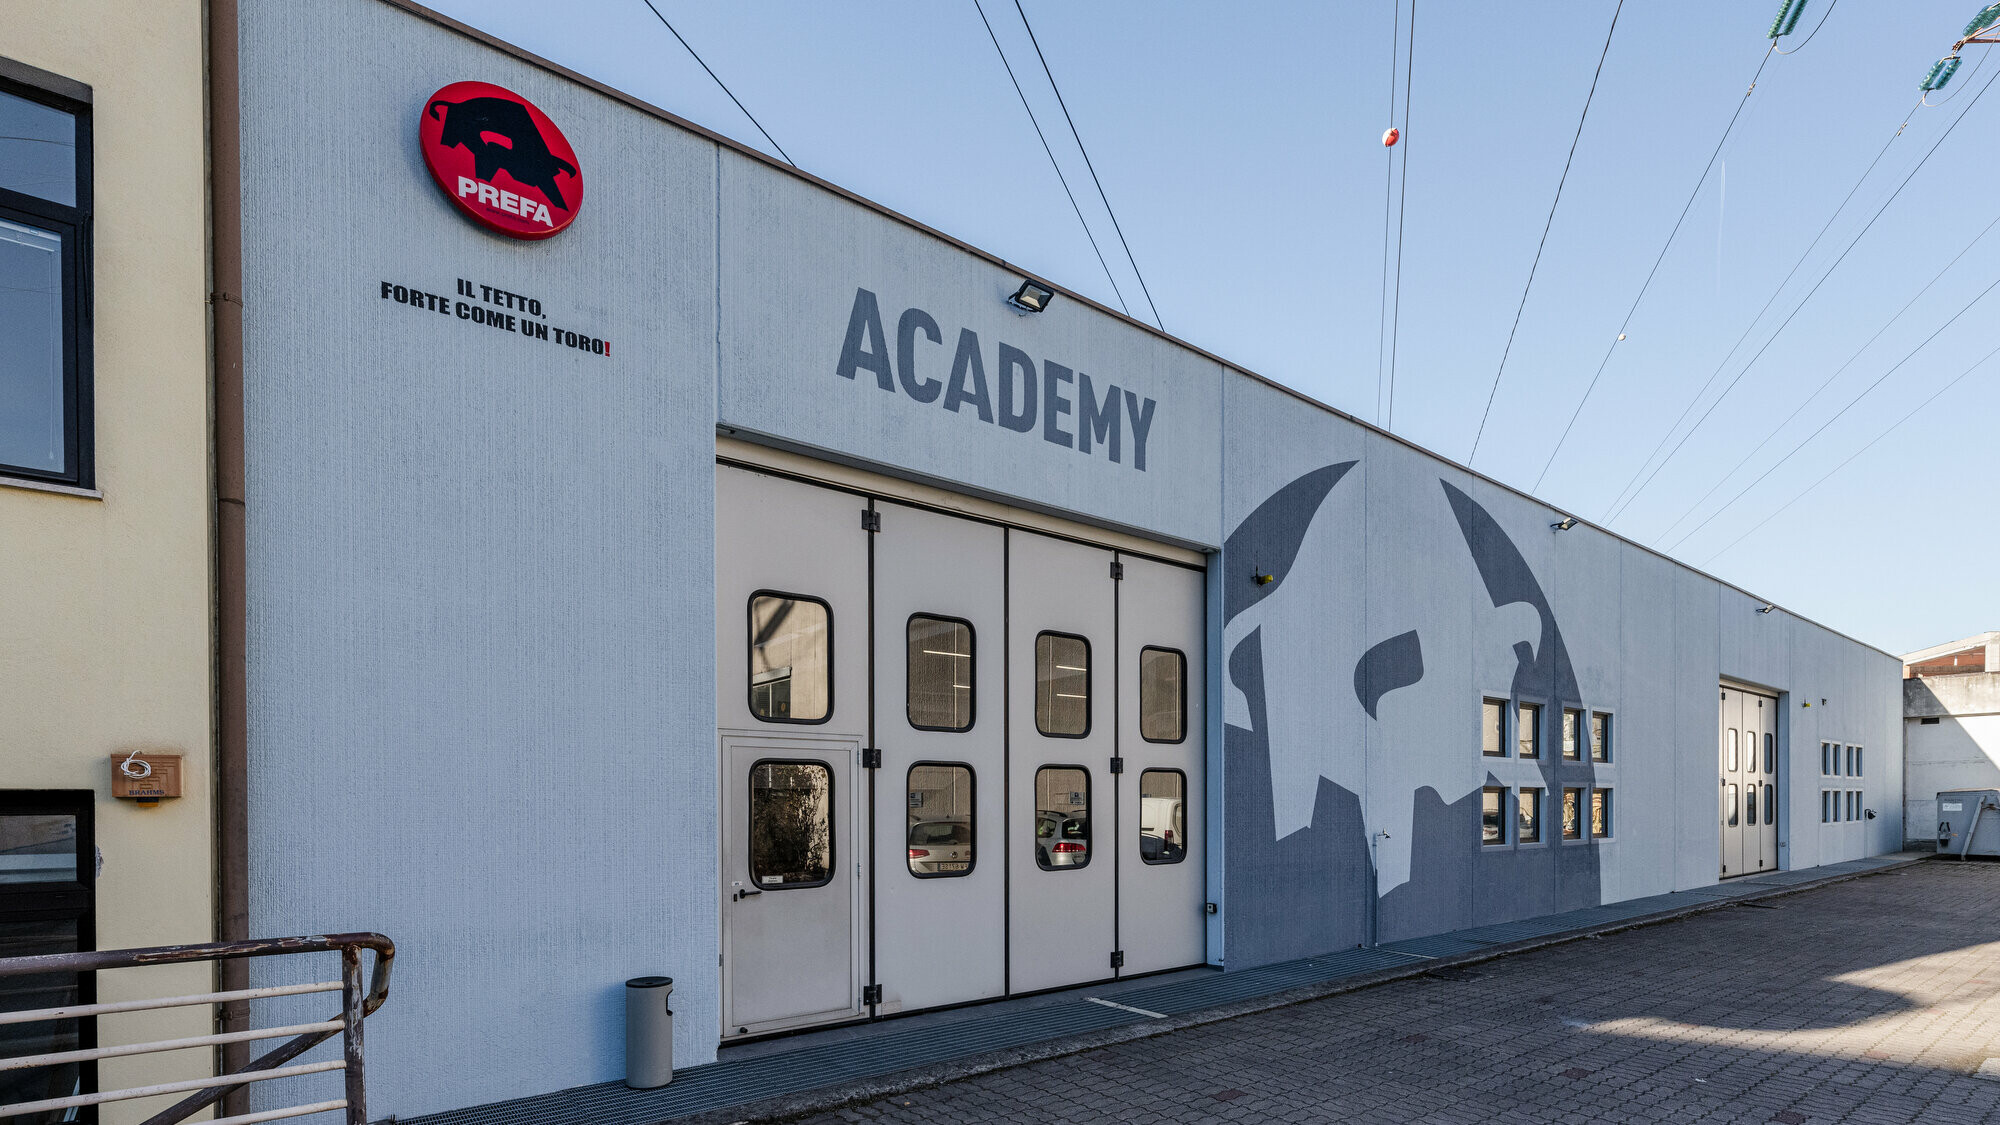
x=1162, y=816
x=1492, y=815
x=791, y=659
x=940, y=673
x=1062, y=685
x=1528, y=730
x=44, y=213
x=1825, y=759
x=1572, y=814
x=1750, y=803
x=1528, y=816
x=1062, y=818
x=1731, y=757
x=1825, y=806
x=1854, y=804
x=1770, y=805
x=1600, y=812
x=1162, y=695
x=791, y=824
x=939, y=797
x=1572, y=735
x=1493, y=728
x=1600, y=737
x=1733, y=805
x=1770, y=752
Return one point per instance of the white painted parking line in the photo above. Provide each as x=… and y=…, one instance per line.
x=1127, y=1008
x=1988, y=1069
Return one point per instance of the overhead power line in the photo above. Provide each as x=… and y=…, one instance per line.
x=1136, y=272
x=1087, y=233
x=1654, y=272
x=1893, y=427
x=1852, y=243
x=1546, y=225
x=1388, y=194
x=1865, y=391
x=1402, y=200
x=725, y=86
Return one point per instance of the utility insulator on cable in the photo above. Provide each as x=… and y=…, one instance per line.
x=1987, y=17
x=1788, y=18
x=1940, y=73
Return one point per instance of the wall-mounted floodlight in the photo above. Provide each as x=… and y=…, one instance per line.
x=1564, y=524
x=1263, y=579
x=1032, y=298
x=1767, y=608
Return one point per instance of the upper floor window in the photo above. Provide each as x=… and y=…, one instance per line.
x=791, y=658
x=1600, y=737
x=1493, y=728
x=1528, y=730
x=44, y=292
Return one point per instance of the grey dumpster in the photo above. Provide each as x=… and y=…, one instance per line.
x=1969, y=822
x=649, y=1032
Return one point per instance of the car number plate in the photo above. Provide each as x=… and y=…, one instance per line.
x=952, y=866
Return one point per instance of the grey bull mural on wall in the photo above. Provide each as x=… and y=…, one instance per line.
x=1313, y=866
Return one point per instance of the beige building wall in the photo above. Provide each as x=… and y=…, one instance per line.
x=105, y=607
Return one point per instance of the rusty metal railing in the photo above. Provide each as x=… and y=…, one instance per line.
x=356, y=1004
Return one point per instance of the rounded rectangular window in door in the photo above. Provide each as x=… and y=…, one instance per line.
x=791, y=658
x=942, y=820
x=791, y=825
x=1062, y=818
x=1162, y=695
x=941, y=674
x=1062, y=685
x=1162, y=816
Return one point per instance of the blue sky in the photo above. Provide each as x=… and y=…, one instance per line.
x=1241, y=147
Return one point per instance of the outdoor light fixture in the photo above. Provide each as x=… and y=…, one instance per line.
x=1032, y=298
x=1767, y=609
x=1565, y=523
x=1264, y=579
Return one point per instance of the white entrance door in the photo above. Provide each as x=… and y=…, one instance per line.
x=1062, y=825
x=790, y=941
x=940, y=721
x=1160, y=736
x=1748, y=782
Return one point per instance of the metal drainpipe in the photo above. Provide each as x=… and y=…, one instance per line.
x=225, y=302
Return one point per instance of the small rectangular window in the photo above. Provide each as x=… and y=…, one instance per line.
x=940, y=689
x=1770, y=752
x=1731, y=756
x=1770, y=805
x=1825, y=807
x=1600, y=737
x=1600, y=813
x=1162, y=816
x=1162, y=695
x=1825, y=760
x=1062, y=685
x=1750, y=803
x=1492, y=815
x=1572, y=813
x=791, y=824
x=1493, y=728
x=1851, y=771
x=1854, y=804
x=1528, y=730
x=1529, y=813
x=791, y=658
x=1572, y=735
x=44, y=288
x=1734, y=802
x=1062, y=817
x=940, y=799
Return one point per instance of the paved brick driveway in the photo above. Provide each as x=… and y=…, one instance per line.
x=1874, y=1000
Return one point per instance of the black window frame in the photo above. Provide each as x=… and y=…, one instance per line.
x=832, y=824
x=1602, y=750
x=750, y=647
x=971, y=669
x=1486, y=701
x=1182, y=774
x=1573, y=748
x=971, y=816
x=1582, y=794
x=63, y=900
x=1610, y=808
x=1502, y=840
x=1181, y=704
x=1525, y=796
x=1535, y=734
x=1089, y=814
x=73, y=224
x=1089, y=684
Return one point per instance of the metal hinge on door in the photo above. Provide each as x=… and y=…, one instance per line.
x=871, y=520
x=1117, y=571
x=871, y=994
x=1117, y=958
x=1117, y=765
x=871, y=758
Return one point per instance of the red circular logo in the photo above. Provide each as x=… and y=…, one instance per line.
x=501, y=160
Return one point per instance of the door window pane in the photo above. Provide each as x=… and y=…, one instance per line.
x=1572, y=813
x=791, y=659
x=38, y=154
x=940, y=673
x=1162, y=816
x=1529, y=730
x=1162, y=695
x=939, y=796
x=41, y=990
x=1492, y=728
x=1770, y=752
x=1770, y=805
x=1750, y=802
x=1492, y=817
x=1600, y=737
x=34, y=432
x=1062, y=685
x=1529, y=814
x=1572, y=735
x=1062, y=817
x=1730, y=757
x=38, y=848
x=1733, y=803
x=1600, y=812
x=791, y=824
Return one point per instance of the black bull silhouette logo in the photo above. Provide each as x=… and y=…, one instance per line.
x=525, y=155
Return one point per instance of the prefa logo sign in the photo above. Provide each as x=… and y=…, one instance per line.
x=500, y=159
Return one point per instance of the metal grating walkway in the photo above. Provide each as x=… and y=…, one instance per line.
x=978, y=1031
